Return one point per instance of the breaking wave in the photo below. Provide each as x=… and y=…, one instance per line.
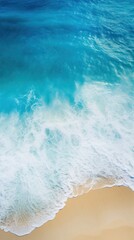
x=47, y=153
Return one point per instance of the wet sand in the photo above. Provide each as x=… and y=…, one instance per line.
x=103, y=214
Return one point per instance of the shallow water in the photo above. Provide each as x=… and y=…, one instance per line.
x=66, y=104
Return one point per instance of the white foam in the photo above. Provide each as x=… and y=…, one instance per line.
x=46, y=153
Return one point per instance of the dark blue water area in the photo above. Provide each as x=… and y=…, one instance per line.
x=48, y=47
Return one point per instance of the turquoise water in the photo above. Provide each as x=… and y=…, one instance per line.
x=66, y=104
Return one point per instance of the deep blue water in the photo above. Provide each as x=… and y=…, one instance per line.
x=66, y=104
x=49, y=46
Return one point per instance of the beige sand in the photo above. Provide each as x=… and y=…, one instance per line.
x=104, y=214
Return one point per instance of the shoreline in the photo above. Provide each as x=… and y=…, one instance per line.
x=106, y=213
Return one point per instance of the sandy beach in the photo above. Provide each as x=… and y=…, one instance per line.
x=102, y=214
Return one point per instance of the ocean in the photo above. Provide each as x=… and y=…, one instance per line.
x=66, y=104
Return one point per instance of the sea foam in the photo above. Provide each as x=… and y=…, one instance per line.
x=49, y=151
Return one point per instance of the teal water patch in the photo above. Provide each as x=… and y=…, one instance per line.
x=50, y=47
